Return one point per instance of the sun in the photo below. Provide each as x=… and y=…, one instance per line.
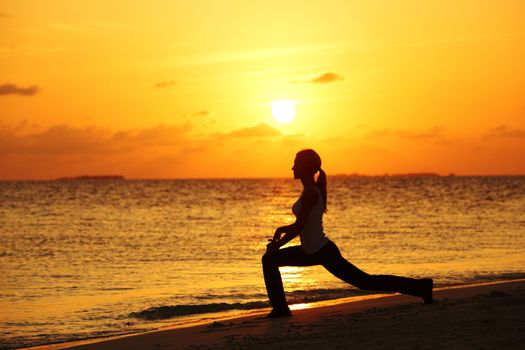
x=283, y=111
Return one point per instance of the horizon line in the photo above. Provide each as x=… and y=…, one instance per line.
x=355, y=175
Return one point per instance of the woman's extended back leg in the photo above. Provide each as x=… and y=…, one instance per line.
x=334, y=262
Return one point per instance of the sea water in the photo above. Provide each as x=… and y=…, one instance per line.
x=86, y=258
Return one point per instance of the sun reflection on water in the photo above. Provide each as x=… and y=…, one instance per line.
x=291, y=274
x=300, y=306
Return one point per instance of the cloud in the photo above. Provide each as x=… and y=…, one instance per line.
x=202, y=113
x=432, y=133
x=165, y=84
x=56, y=140
x=63, y=139
x=379, y=133
x=65, y=27
x=59, y=141
x=4, y=15
x=227, y=56
x=85, y=26
x=12, y=89
x=260, y=130
x=65, y=150
x=161, y=151
x=504, y=131
x=295, y=141
x=328, y=77
x=159, y=136
x=67, y=140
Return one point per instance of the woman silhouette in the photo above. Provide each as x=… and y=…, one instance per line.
x=317, y=249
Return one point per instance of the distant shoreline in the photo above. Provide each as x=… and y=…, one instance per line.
x=120, y=177
x=92, y=177
x=395, y=175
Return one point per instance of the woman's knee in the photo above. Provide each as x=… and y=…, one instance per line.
x=364, y=282
x=350, y=274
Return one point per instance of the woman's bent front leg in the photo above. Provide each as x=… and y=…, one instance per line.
x=291, y=256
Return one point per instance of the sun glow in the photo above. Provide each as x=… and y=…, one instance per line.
x=283, y=111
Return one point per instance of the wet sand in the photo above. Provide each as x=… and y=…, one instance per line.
x=483, y=316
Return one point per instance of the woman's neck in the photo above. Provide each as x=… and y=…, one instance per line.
x=308, y=181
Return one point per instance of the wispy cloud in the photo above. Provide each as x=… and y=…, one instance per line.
x=432, y=133
x=161, y=135
x=85, y=26
x=260, y=130
x=165, y=84
x=12, y=89
x=504, y=131
x=25, y=50
x=65, y=27
x=202, y=113
x=218, y=57
x=105, y=25
x=328, y=77
x=205, y=57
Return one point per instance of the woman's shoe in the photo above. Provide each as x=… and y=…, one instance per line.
x=428, y=285
x=275, y=313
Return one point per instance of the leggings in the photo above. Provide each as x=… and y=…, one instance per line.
x=331, y=259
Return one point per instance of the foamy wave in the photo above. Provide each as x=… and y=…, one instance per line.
x=164, y=312
x=294, y=297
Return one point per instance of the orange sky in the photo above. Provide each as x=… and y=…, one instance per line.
x=171, y=89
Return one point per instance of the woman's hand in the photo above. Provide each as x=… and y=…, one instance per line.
x=272, y=246
x=278, y=233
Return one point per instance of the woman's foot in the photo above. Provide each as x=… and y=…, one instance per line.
x=426, y=293
x=275, y=313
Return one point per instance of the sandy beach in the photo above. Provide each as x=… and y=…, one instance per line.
x=483, y=316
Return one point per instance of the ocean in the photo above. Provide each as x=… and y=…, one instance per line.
x=89, y=258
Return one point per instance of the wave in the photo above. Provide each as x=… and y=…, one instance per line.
x=165, y=312
x=313, y=295
x=488, y=277
x=294, y=297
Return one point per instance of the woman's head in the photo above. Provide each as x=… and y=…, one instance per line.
x=308, y=163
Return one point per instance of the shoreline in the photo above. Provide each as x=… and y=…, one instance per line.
x=253, y=326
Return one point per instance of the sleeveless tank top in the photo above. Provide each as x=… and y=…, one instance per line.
x=312, y=235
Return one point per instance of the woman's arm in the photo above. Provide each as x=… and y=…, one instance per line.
x=308, y=200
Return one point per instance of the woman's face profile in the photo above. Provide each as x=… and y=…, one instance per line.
x=298, y=169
